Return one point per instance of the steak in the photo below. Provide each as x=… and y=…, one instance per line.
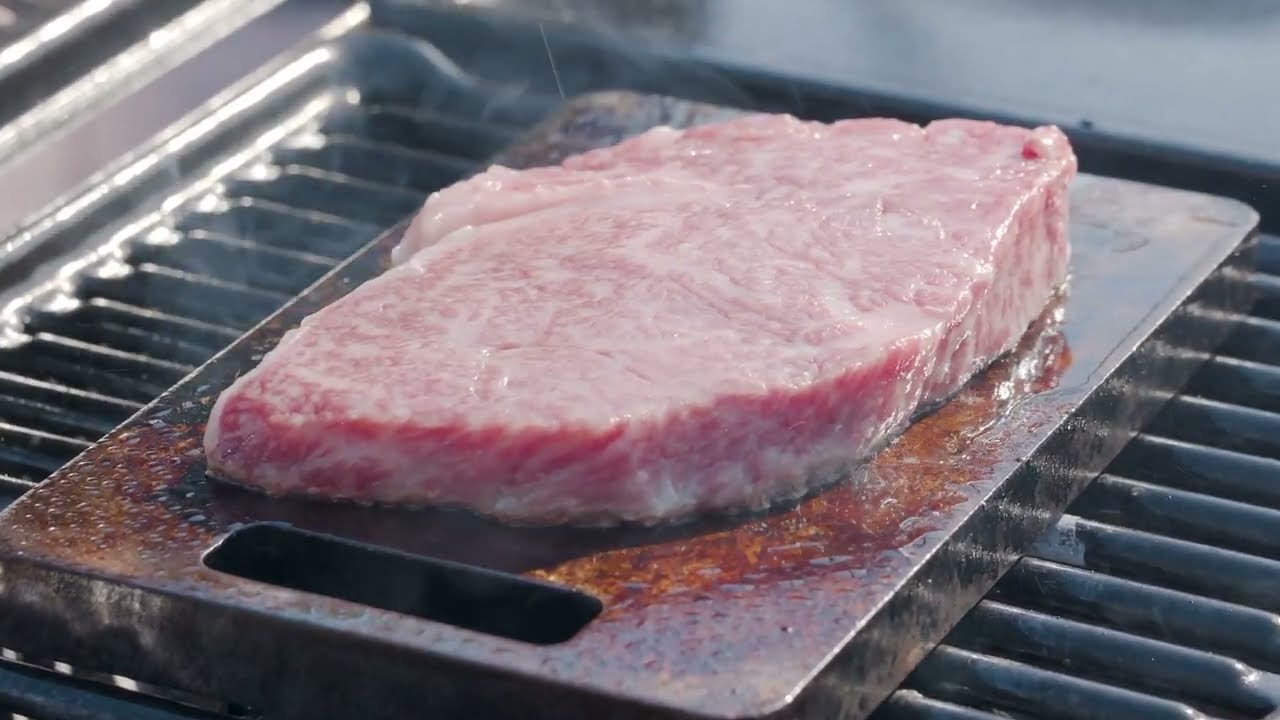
x=693, y=321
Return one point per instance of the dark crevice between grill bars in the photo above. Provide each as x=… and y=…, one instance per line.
x=464, y=596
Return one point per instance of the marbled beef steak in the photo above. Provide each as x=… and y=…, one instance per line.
x=689, y=321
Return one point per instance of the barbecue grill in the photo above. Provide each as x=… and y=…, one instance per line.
x=1154, y=596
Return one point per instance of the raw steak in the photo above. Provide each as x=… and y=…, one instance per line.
x=689, y=321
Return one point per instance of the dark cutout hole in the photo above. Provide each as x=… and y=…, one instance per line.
x=473, y=598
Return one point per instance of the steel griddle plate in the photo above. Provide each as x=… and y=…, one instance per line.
x=817, y=610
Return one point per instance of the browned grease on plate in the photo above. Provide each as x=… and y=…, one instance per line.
x=883, y=505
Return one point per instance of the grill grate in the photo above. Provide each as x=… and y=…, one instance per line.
x=46, y=45
x=186, y=291
x=55, y=691
x=19, y=18
x=1156, y=596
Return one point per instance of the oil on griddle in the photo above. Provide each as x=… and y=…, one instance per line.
x=725, y=617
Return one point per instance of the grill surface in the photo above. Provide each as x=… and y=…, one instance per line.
x=47, y=45
x=31, y=28
x=1158, y=594
x=1155, y=597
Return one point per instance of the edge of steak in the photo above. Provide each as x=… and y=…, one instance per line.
x=686, y=322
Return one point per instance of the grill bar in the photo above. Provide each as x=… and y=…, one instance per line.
x=328, y=191
x=113, y=327
x=281, y=226
x=1168, y=562
x=1221, y=424
x=32, y=454
x=1178, y=513
x=262, y=268
x=47, y=362
x=1161, y=581
x=1212, y=683
x=11, y=487
x=206, y=300
x=912, y=705
x=1239, y=381
x=460, y=138
x=1257, y=339
x=44, y=694
x=378, y=162
x=1006, y=686
x=1202, y=469
x=1188, y=620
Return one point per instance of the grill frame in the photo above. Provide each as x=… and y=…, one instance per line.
x=30, y=39
x=59, y=72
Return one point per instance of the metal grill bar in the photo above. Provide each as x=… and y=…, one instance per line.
x=327, y=191
x=33, y=454
x=1178, y=513
x=283, y=227
x=1168, y=562
x=1221, y=424
x=1204, y=469
x=1211, y=683
x=30, y=29
x=965, y=677
x=1250, y=635
x=1257, y=339
x=1240, y=381
x=1156, y=596
x=456, y=136
x=42, y=694
x=912, y=705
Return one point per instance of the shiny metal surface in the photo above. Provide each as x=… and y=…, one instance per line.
x=29, y=32
x=62, y=141
x=153, y=54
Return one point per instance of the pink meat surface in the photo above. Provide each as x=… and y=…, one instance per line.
x=689, y=321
